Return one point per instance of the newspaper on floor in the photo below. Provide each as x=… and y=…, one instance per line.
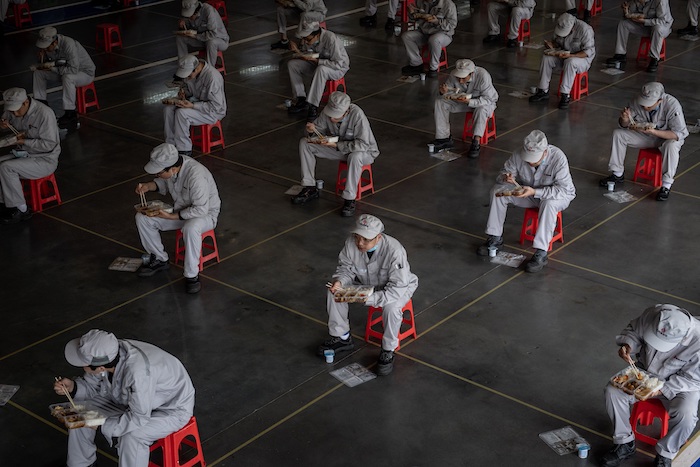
x=520, y=94
x=6, y=392
x=563, y=440
x=512, y=260
x=695, y=128
x=620, y=196
x=535, y=45
x=294, y=190
x=122, y=263
x=408, y=79
x=446, y=156
x=612, y=71
x=353, y=374
x=688, y=37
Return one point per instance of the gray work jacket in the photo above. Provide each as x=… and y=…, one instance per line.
x=668, y=116
x=75, y=55
x=331, y=51
x=551, y=180
x=208, y=24
x=444, y=10
x=206, y=92
x=580, y=39
x=354, y=132
x=40, y=130
x=480, y=86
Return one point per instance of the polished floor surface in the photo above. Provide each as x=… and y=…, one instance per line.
x=501, y=355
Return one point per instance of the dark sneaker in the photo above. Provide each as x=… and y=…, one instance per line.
x=299, y=106
x=312, y=113
x=653, y=65
x=619, y=453
x=386, y=362
x=348, y=208
x=491, y=38
x=564, y=101
x=369, y=21
x=410, y=70
x=154, y=265
x=432, y=73
x=512, y=43
x=443, y=143
x=617, y=58
x=661, y=461
x=14, y=215
x=540, y=95
x=336, y=344
x=537, y=262
x=475, y=148
x=69, y=120
x=306, y=194
x=587, y=16
x=612, y=178
x=663, y=193
x=192, y=284
x=281, y=45
x=689, y=30
x=483, y=250
x=573, y=12
x=389, y=25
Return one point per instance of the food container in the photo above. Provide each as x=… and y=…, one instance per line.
x=324, y=139
x=42, y=66
x=513, y=192
x=186, y=32
x=454, y=96
x=172, y=101
x=639, y=383
x=152, y=208
x=10, y=140
x=555, y=51
x=353, y=294
x=307, y=55
x=80, y=416
x=642, y=126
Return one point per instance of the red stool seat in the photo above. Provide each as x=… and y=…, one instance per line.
x=529, y=228
x=645, y=46
x=425, y=53
x=402, y=12
x=372, y=320
x=523, y=31
x=85, y=100
x=41, y=191
x=219, y=59
x=333, y=86
x=649, y=166
x=220, y=6
x=22, y=14
x=187, y=437
x=580, y=86
x=206, y=245
x=644, y=413
x=127, y=3
x=203, y=137
x=489, y=131
x=596, y=9
x=365, y=183
x=108, y=36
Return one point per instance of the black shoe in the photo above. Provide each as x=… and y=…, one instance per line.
x=587, y=16
x=154, y=265
x=564, y=101
x=663, y=193
x=612, y=178
x=69, y=120
x=540, y=95
x=653, y=65
x=537, y=262
x=491, y=38
x=483, y=250
x=661, y=461
x=573, y=12
x=443, y=143
x=386, y=362
x=689, y=30
x=299, y=106
x=617, y=58
x=348, y=208
x=336, y=344
x=475, y=148
x=312, y=113
x=389, y=25
x=192, y=284
x=511, y=43
x=432, y=73
x=619, y=453
x=184, y=153
x=281, y=45
x=369, y=21
x=410, y=70
x=306, y=194
x=14, y=215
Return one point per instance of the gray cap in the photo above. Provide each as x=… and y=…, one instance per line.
x=338, y=104
x=463, y=68
x=651, y=93
x=565, y=23
x=368, y=226
x=534, y=146
x=95, y=348
x=186, y=66
x=306, y=28
x=163, y=156
x=14, y=98
x=671, y=326
x=189, y=7
x=46, y=37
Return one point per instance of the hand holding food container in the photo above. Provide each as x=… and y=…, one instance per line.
x=349, y=294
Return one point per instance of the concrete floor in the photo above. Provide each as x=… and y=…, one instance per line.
x=501, y=356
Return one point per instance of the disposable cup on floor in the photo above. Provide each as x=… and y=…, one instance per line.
x=521, y=43
x=422, y=76
x=492, y=251
x=533, y=89
x=583, y=450
x=611, y=186
x=617, y=65
x=431, y=148
x=288, y=103
x=319, y=184
x=329, y=354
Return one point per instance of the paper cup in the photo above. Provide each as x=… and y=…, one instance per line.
x=330, y=355
x=583, y=450
x=492, y=251
x=422, y=76
x=319, y=184
x=533, y=89
x=521, y=43
x=431, y=148
x=611, y=186
x=288, y=103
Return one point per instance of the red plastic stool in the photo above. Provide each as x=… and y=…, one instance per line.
x=489, y=132
x=211, y=246
x=84, y=100
x=187, y=437
x=580, y=86
x=645, y=46
x=333, y=86
x=523, y=31
x=530, y=227
x=127, y=3
x=19, y=10
x=41, y=191
x=402, y=12
x=365, y=183
x=425, y=53
x=220, y=6
x=644, y=413
x=596, y=9
x=649, y=166
x=219, y=55
x=373, y=320
x=104, y=37
x=201, y=136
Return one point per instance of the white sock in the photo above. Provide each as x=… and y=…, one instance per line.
x=22, y=207
x=345, y=336
x=618, y=174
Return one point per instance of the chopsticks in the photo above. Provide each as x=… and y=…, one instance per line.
x=65, y=391
x=319, y=134
x=143, y=199
x=634, y=367
x=13, y=129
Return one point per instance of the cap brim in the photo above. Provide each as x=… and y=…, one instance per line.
x=333, y=114
x=563, y=32
x=653, y=340
x=646, y=102
x=363, y=233
x=183, y=72
x=152, y=168
x=460, y=73
x=188, y=12
x=12, y=107
x=43, y=43
x=531, y=156
x=73, y=355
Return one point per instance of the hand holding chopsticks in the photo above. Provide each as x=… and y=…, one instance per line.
x=61, y=385
x=143, y=198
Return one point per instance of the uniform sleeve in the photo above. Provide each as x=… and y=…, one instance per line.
x=632, y=334
x=345, y=272
x=214, y=102
x=588, y=42
x=449, y=22
x=563, y=186
x=487, y=93
x=162, y=186
x=663, y=15
x=338, y=57
x=69, y=52
x=209, y=25
x=141, y=392
x=676, y=121
x=87, y=387
x=509, y=167
x=398, y=283
x=362, y=137
x=45, y=138
x=199, y=194
x=686, y=376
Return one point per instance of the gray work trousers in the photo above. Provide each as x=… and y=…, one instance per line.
x=177, y=125
x=546, y=220
x=308, y=153
x=149, y=229
x=69, y=82
x=517, y=14
x=444, y=107
x=371, y=8
x=211, y=46
x=682, y=411
x=5, y=4
x=298, y=69
x=624, y=138
x=414, y=42
x=693, y=8
x=571, y=66
x=657, y=33
x=12, y=169
x=339, y=324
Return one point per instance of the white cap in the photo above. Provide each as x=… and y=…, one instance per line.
x=95, y=348
x=368, y=226
x=565, y=23
x=46, y=37
x=534, y=146
x=186, y=66
x=14, y=98
x=189, y=7
x=670, y=327
x=463, y=68
x=163, y=156
x=651, y=93
x=338, y=104
x=305, y=29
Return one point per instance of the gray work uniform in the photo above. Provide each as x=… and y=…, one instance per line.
x=5, y=4
x=657, y=24
x=388, y=271
x=79, y=70
x=580, y=39
x=482, y=103
x=308, y=11
x=356, y=146
x=667, y=116
x=518, y=11
x=693, y=8
x=197, y=201
x=150, y=395
x=333, y=63
x=371, y=8
x=554, y=190
x=680, y=370
x=42, y=145
x=571, y=4
x=212, y=35
x=436, y=36
x=206, y=92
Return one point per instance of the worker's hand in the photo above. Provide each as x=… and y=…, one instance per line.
x=626, y=115
x=168, y=215
x=41, y=54
x=650, y=131
x=463, y=99
x=142, y=188
x=433, y=19
x=294, y=47
x=508, y=178
x=563, y=55
x=3, y=123
x=526, y=193
x=67, y=383
x=328, y=144
x=656, y=393
x=184, y=104
x=310, y=127
x=334, y=287
x=20, y=139
x=412, y=7
x=310, y=59
x=624, y=353
x=548, y=45
x=181, y=24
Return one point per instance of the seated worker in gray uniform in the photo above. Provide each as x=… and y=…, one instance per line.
x=356, y=145
x=332, y=63
x=576, y=43
x=71, y=66
x=643, y=18
x=371, y=258
x=515, y=11
x=144, y=391
x=370, y=18
x=572, y=9
x=308, y=11
x=665, y=341
x=4, y=6
x=663, y=113
x=208, y=31
x=468, y=89
x=435, y=27
x=37, y=154
x=692, y=28
x=195, y=211
x=542, y=170
x=202, y=101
